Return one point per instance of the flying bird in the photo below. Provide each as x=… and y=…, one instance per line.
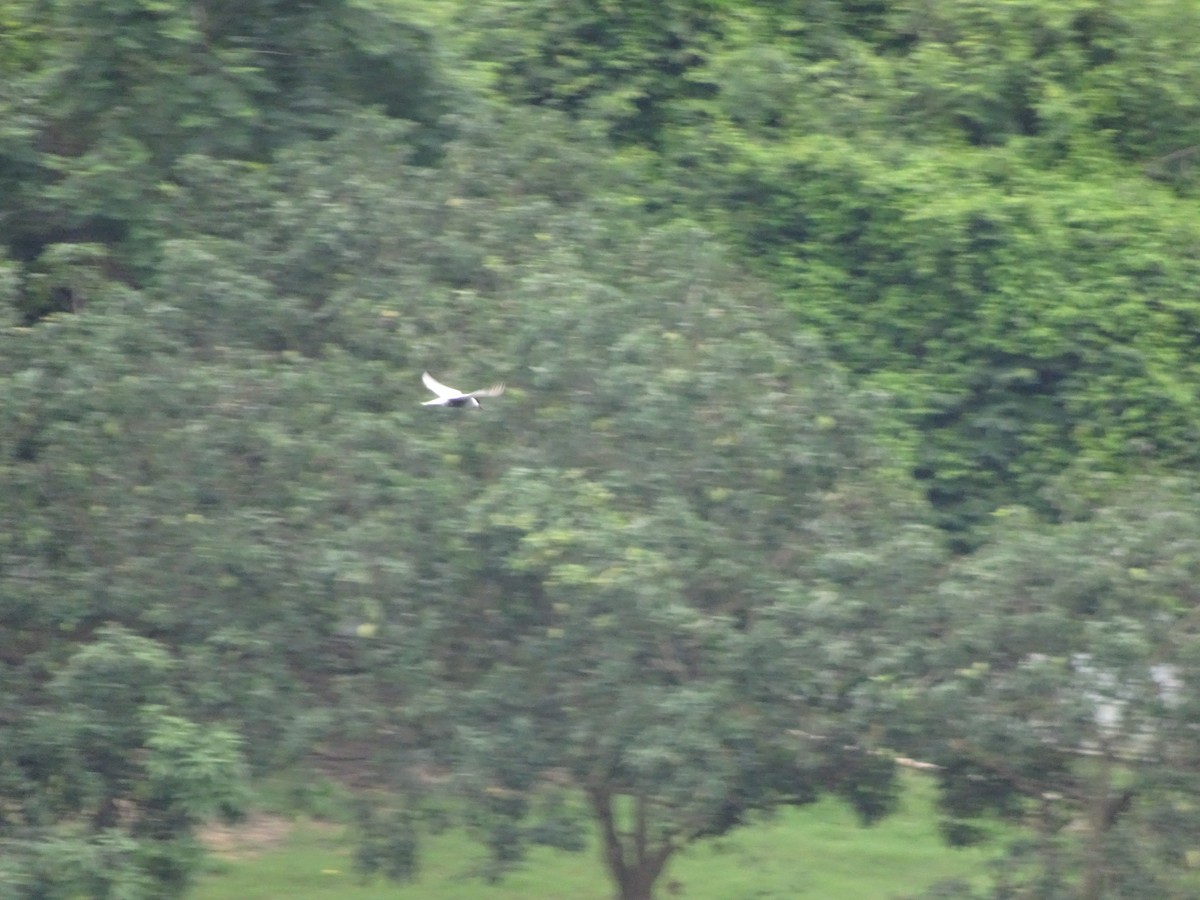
x=448, y=396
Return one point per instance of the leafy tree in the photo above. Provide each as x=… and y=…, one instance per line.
x=1024, y=318
x=622, y=65
x=639, y=600
x=1063, y=73
x=1056, y=689
x=250, y=489
x=105, y=778
x=124, y=90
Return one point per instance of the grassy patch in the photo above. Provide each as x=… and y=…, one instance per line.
x=817, y=851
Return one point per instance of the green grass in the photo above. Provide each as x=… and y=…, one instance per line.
x=817, y=851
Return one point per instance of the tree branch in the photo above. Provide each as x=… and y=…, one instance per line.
x=613, y=851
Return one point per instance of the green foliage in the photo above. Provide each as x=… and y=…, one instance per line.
x=246, y=424
x=387, y=844
x=1025, y=320
x=125, y=90
x=613, y=618
x=105, y=782
x=943, y=192
x=1066, y=658
x=683, y=565
x=621, y=65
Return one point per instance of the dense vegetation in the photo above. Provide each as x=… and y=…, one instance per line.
x=853, y=363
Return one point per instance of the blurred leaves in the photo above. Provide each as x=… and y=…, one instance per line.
x=686, y=563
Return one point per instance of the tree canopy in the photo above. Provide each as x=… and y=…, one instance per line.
x=1056, y=669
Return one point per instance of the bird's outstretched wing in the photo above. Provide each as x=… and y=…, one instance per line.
x=494, y=391
x=437, y=387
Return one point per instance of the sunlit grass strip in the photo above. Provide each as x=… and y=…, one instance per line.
x=814, y=851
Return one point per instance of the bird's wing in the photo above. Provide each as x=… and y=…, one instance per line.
x=494, y=391
x=437, y=387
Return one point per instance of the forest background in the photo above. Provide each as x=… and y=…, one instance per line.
x=852, y=352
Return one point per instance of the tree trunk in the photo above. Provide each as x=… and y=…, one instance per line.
x=637, y=884
x=1107, y=808
x=632, y=862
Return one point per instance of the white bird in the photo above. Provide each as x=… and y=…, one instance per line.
x=448, y=396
